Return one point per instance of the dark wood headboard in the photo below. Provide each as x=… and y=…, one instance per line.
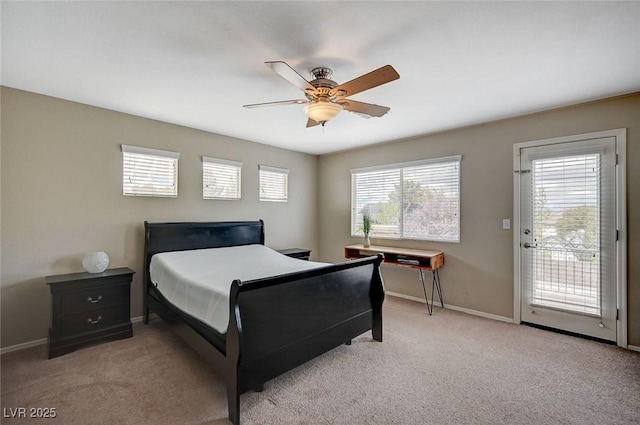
x=166, y=237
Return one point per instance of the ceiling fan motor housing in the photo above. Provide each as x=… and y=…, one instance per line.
x=322, y=83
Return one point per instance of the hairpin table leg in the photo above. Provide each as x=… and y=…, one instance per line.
x=436, y=282
x=435, y=285
x=424, y=289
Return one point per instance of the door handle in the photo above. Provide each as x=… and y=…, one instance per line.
x=528, y=245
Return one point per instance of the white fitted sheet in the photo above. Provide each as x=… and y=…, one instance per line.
x=199, y=281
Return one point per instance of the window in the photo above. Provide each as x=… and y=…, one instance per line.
x=414, y=200
x=221, y=178
x=274, y=184
x=149, y=172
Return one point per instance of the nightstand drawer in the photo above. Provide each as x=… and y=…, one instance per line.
x=93, y=320
x=93, y=298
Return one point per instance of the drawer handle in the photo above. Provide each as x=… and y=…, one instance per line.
x=97, y=300
x=93, y=322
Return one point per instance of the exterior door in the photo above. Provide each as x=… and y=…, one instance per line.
x=568, y=237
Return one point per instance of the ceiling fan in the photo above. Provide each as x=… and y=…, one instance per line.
x=325, y=98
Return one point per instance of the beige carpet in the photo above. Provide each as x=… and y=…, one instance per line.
x=450, y=368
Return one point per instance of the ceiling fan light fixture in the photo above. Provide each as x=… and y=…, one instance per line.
x=322, y=111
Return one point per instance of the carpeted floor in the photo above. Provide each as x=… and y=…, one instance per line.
x=450, y=368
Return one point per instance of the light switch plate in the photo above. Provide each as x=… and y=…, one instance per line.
x=506, y=223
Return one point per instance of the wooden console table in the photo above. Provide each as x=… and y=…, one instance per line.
x=413, y=258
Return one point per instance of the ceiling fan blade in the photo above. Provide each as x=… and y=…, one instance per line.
x=290, y=74
x=311, y=123
x=367, y=81
x=279, y=103
x=364, y=108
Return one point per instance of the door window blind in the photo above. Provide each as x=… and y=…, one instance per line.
x=221, y=178
x=414, y=200
x=566, y=226
x=274, y=184
x=149, y=172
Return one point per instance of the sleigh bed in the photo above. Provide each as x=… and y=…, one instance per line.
x=275, y=323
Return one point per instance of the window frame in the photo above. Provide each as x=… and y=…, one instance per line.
x=131, y=153
x=356, y=216
x=225, y=163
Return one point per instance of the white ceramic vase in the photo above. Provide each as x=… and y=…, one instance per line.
x=95, y=262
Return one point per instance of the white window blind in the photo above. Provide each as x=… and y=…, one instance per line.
x=566, y=223
x=274, y=184
x=221, y=178
x=414, y=200
x=149, y=172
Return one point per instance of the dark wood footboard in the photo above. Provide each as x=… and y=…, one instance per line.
x=276, y=323
x=282, y=322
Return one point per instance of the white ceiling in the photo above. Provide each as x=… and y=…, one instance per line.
x=196, y=63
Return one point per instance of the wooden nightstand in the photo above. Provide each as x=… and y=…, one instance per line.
x=88, y=308
x=300, y=253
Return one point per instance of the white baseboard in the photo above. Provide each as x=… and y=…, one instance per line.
x=453, y=307
x=43, y=341
x=23, y=346
x=406, y=297
x=633, y=348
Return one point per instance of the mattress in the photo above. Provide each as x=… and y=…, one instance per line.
x=199, y=281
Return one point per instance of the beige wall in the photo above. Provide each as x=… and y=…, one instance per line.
x=62, y=197
x=478, y=274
